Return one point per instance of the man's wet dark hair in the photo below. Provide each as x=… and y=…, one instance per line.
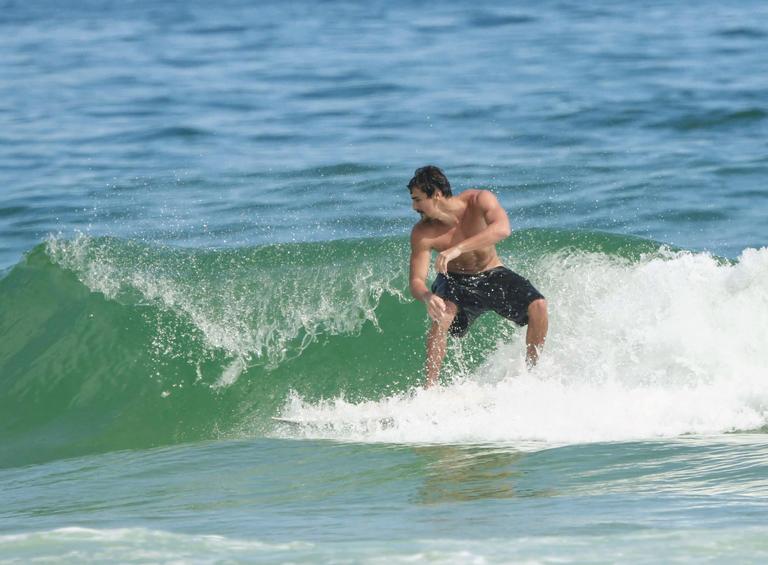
x=429, y=179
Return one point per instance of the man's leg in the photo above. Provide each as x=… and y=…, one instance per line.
x=437, y=342
x=538, y=322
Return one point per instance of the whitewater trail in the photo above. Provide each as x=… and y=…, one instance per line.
x=673, y=344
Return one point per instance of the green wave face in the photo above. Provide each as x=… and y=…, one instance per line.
x=111, y=344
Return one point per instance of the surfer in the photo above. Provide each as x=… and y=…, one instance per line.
x=471, y=280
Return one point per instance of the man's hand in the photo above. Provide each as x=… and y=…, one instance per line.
x=435, y=307
x=444, y=257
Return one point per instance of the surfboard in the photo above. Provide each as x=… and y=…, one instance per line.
x=293, y=421
x=383, y=422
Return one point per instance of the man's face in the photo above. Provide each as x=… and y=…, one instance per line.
x=423, y=205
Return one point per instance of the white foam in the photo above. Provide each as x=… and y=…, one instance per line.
x=673, y=344
x=136, y=545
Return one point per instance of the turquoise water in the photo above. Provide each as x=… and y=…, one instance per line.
x=204, y=227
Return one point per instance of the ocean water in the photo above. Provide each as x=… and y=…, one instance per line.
x=204, y=227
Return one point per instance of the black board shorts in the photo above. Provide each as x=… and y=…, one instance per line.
x=501, y=290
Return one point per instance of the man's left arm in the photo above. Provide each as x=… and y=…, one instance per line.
x=496, y=230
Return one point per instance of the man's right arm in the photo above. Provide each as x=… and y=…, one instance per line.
x=420, y=257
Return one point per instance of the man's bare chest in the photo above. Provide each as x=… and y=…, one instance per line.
x=450, y=236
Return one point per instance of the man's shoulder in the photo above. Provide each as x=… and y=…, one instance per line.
x=479, y=197
x=419, y=229
x=421, y=233
x=475, y=193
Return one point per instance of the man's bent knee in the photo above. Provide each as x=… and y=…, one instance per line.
x=447, y=317
x=537, y=310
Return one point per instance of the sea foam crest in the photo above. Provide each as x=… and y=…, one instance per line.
x=672, y=344
x=236, y=305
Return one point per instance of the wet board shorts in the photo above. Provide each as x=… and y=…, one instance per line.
x=501, y=290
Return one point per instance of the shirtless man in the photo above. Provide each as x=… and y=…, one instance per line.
x=464, y=230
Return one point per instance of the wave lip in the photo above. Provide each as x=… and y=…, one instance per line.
x=250, y=304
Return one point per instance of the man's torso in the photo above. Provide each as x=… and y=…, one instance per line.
x=440, y=236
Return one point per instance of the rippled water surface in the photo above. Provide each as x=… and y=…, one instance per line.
x=245, y=123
